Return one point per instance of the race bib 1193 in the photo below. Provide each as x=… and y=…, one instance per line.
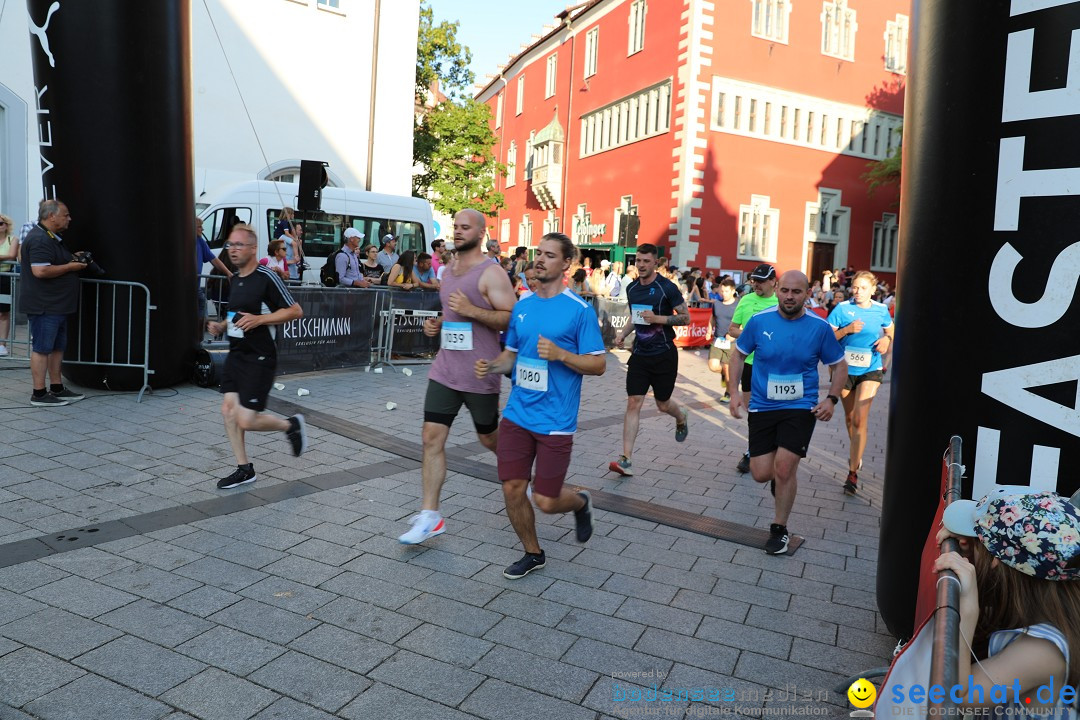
x=785, y=387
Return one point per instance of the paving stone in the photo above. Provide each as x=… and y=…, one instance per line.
x=384, y=569
x=653, y=614
x=204, y=601
x=59, y=633
x=293, y=596
x=89, y=562
x=247, y=554
x=231, y=650
x=13, y=606
x=389, y=703
x=221, y=574
x=586, y=623
x=302, y=570
x=27, y=674
x=763, y=670
x=367, y=620
x=311, y=681
x=537, y=610
x=531, y=637
x=368, y=589
x=532, y=584
x=264, y=621
x=537, y=673
x=639, y=588
x=324, y=552
x=343, y=647
x=93, y=697
x=606, y=659
x=446, y=645
x=27, y=576
x=149, y=582
x=688, y=650
x=81, y=596
x=713, y=605
x=451, y=614
x=162, y=555
x=337, y=534
x=429, y=678
x=497, y=700
x=289, y=709
x=458, y=588
x=583, y=597
x=157, y=623
x=611, y=698
x=839, y=614
x=215, y=695
x=698, y=581
x=449, y=563
x=817, y=630
x=148, y=668
x=7, y=646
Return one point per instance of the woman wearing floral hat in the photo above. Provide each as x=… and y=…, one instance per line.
x=1019, y=599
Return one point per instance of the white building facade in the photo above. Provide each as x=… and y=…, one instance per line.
x=288, y=80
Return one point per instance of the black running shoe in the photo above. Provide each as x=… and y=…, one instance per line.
x=778, y=540
x=69, y=395
x=744, y=464
x=47, y=400
x=583, y=518
x=297, y=435
x=851, y=485
x=525, y=565
x=243, y=475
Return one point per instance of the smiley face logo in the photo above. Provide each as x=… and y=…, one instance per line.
x=862, y=693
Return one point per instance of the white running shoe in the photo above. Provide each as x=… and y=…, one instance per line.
x=3, y=350
x=426, y=525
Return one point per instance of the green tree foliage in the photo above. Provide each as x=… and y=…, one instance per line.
x=452, y=140
x=884, y=172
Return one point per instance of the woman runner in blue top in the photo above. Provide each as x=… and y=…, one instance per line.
x=864, y=329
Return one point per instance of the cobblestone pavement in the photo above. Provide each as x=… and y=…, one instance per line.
x=292, y=599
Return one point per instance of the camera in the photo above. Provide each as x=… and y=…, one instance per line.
x=87, y=259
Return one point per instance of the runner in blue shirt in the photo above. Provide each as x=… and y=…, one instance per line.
x=553, y=339
x=788, y=343
x=865, y=330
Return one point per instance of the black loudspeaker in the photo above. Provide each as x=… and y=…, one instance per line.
x=210, y=364
x=628, y=230
x=313, y=179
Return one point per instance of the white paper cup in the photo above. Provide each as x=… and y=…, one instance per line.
x=302, y=392
x=279, y=386
x=391, y=405
x=406, y=371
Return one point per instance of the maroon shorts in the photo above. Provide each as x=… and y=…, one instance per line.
x=518, y=448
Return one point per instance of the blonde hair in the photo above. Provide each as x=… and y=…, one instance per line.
x=866, y=275
x=245, y=228
x=10, y=224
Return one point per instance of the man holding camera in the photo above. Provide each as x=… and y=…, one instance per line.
x=49, y=292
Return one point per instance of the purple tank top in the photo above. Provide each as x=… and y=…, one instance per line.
x=455, y=368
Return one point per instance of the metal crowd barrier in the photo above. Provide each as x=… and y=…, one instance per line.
x=125, y=300
x=945, y=658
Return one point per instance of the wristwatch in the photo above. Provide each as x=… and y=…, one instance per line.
x=834, y=399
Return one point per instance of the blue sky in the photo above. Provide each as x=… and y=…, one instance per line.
x=495, y=29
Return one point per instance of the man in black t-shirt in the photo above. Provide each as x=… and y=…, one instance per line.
x=656, y=306
x=48, y=293
x=249, y=369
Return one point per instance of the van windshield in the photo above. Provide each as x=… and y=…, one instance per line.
x=323, y=231
x=217, y=226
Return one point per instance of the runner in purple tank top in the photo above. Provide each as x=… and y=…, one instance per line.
x=477, y=299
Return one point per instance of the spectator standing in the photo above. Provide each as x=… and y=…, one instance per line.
x=370, y=269
x=9, y=253
x=401, y=275
x=49, y=293
x=438, y=246
x=203, y=255
x=493, y=250
x=388, y=255
x=347, y=263
x=424, y=274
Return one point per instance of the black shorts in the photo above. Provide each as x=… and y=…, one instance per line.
x=747, y=373
x=250, y=377
x=442, y=404
x=872, y=376
x=657, y=371
x=789, y=429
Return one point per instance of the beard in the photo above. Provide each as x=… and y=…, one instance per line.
x=466, y=245
x=790, y=313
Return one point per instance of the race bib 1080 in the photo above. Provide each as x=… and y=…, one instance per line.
x=785, y=387
x=532, y=374
x=457, y=336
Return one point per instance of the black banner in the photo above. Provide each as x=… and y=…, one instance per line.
x=112, y=80
x=336, y=330
x=409, y=337
x=986, y=346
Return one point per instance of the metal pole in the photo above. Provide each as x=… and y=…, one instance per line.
x=374, y=83
x=945, y=658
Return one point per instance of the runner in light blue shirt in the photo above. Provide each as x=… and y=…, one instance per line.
x=788, y=343
x=865, y=330
x=553, y=339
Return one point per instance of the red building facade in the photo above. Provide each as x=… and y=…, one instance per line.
x=729, y=133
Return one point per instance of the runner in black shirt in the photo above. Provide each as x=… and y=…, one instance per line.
x=257, y=299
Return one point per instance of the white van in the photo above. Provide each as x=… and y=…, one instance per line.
x=259, y=203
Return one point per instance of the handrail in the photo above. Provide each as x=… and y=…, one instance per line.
x=945, y=658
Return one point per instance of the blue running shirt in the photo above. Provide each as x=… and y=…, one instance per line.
x=786, y=360
x=545, y=396
x=859, y=347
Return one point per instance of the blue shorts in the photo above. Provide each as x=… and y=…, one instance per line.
x=49, y=333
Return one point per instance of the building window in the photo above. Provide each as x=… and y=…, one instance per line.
x=770, y=19
x=551, y=223
x=525, y=231
x=552, y=68
x=896, y=45
x=520, y=94
x=504, y=229
x=529, y=155
x=592, y=44
x=838, y=28
x=827, y=219
x=511, y=164
x=498, y=110
x=758, y=228
x=335, y=4
x=883, y=249
x=642, y=115
x=637, y=27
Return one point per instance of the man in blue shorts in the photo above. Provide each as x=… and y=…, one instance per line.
x=553, y=339
x=787, y=343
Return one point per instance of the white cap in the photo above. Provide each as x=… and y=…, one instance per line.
x=353, y=233
x=605, y=263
